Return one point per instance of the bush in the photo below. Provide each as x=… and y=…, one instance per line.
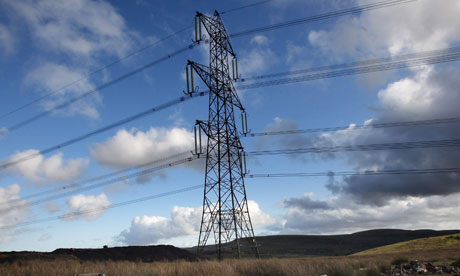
x=372, y=272
x=340, y=271
x=399, y=260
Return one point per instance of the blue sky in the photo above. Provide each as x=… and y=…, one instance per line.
x=47, y=45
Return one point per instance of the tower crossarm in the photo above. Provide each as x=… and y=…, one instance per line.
x=209, y=77
x=215, y=26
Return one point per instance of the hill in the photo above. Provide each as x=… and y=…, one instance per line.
x=333, y=245
x=441, y=242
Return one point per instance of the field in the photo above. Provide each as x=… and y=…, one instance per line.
x=332, y=266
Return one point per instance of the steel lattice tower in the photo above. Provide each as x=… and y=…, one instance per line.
x=225, y=206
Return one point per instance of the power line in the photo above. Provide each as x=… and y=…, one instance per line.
x=190, y=188
x=329, y=15
x=246, y=6
x=97, y=178
x=111, y=206
x=115, y=62
x=355, y=71
x=351, y=173
x=358, y=127
x=94, y=72
x=360, y=70
x=366, y=147
x=346, y=72
x=349, y=148
x=101, y=87
x=405, y=57
x=105, y=85
x=101, y=184
x=134, y=117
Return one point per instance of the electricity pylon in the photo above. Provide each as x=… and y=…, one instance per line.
x=225, y=205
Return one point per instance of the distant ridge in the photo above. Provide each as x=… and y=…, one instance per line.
x=334, y=245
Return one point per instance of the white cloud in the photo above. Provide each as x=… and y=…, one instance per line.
x=426, y=92
x=135, y=147
x=51, y=77
x=52, y=207
x=71, y=39
x=82, y=28
x=3, y=132
x=184, y=221
x=9, y=197
x=7, y=40
x=406, y=29
x=257, y=59
x=150, y=229
x=259, y=217
x=90, y=206
x=259, y=40
x=42, y=170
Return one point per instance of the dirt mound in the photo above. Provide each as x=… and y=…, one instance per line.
x=129, y=253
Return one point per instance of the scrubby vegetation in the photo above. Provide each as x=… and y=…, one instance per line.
x=332, y=266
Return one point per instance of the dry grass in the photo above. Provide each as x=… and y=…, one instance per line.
x=332, y=266
x=440, y=242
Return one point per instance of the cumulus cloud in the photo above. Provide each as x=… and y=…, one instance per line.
x=88, y=207
x=184, y=221
x=150, y=229
x=346, y=216
x=135, y=147
x=9, y=197
x=41, y=170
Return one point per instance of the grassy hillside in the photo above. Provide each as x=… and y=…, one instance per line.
x=432, y=243
x=333, y=245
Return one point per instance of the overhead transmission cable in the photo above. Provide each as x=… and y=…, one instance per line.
x=136, y=52
x=399, y=64
x=358, y=127
x=355, y=71
x=99, y=88
x=309, y=19
x=111, y=206
x=354, y=173
x=405, y=57
x=142, y=172
x=8, y=163
x=365, y=147
x=348, y=148
x=80, y=183
x=280, y=25
x=190, y=188
x=117, y=61
x=246, y=6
